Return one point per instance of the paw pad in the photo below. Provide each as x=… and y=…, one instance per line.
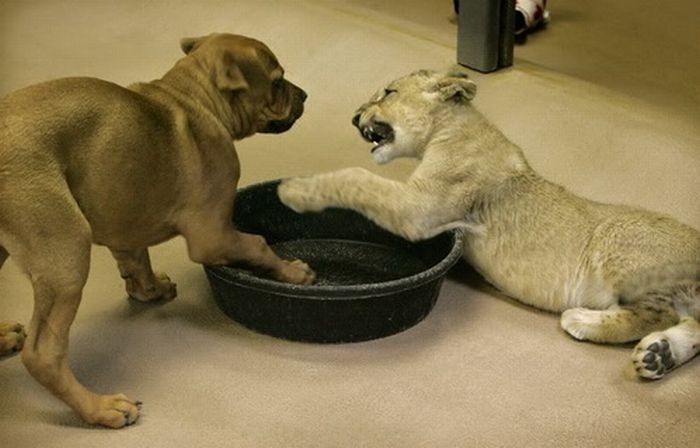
x=655, y=360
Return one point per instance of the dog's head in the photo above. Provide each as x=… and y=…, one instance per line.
x=401, y=118
x=248, y=75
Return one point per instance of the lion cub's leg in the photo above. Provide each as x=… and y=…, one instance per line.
x=629, y=322
x=401, y=208
x=141, y=282
x=663, y=351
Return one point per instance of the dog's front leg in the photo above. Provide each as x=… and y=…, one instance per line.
x=413, y=211
x=222, y=244
x=141, y=282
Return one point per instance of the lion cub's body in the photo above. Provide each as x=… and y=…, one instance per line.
x=618, y=273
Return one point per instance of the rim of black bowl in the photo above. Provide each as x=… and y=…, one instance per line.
x=331, y=292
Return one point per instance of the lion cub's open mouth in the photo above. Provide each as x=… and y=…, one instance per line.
x=378, y=133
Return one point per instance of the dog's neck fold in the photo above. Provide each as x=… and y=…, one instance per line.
x=189, y=82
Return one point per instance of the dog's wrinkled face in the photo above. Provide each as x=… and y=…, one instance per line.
x=400, y=118
x=249, y=76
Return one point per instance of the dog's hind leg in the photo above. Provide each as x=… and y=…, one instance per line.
x=618, y=324
x=55, y=253
x=12, y=334
x=663, y=351
x=141, y=282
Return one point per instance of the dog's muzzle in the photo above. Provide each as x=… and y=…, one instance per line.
x=279, y=126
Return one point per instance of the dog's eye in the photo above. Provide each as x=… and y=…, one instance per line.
x=388, y=92
x=278, y=83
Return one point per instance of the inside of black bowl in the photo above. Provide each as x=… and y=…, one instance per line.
x=343, y=247
x=350, y=262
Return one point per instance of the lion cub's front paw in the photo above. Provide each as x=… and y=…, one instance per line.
x=300, y=195
x=12, y=336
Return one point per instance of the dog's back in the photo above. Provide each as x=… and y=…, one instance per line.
x=66, y=115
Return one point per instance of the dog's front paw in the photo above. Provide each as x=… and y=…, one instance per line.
x=300, y=195
x=653, y=357
x=296, y=272
x=12, y=336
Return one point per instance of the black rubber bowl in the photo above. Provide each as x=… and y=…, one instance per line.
x=370, y=283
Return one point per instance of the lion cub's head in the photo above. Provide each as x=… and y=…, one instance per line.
x=401, y=118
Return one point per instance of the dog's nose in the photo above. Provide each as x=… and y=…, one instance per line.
x=356, y=120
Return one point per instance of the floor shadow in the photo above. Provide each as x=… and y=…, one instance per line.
x=466, y=275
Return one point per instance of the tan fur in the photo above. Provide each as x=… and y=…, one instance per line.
x=85, y=161
x=617, y=273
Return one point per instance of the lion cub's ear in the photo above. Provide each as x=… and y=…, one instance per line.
x=456, y=86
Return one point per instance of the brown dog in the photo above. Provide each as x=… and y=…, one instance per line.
x=86, y=161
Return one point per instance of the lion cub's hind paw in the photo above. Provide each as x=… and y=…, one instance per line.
x=580, y=323
x=653, y=358
x=12, y=337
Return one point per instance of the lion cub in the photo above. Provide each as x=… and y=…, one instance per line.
x=617, y=273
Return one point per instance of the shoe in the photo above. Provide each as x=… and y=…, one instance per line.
x=530, y=14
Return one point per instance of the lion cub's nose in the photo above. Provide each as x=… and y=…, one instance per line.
x=356, y=120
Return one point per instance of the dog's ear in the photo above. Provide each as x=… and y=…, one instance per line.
x=456, y=86
x=188, y=43
x=229, y=76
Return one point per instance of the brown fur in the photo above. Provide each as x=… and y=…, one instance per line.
x=86, y=161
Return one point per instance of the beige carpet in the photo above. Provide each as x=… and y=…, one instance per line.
x=608, y=107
